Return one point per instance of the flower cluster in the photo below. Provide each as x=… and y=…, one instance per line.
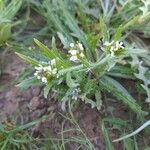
x=48, y=70
x=76, y=51
x=44, y=71
x=75, y=93
x=114, y=46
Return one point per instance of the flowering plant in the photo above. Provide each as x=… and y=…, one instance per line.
x=75, y=77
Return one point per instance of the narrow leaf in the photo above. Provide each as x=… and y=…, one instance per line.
x=104, y=30
x=47, y=89
x=70, y=82
x=28, y=59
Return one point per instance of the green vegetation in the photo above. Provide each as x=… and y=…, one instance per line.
x=88, y=48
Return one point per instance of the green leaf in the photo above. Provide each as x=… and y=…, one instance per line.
x=63, y=39
x=104, y=30
x=92, y=41
x=98, y=98
x=106, y=136
x=25, y=84
x=49, y=53
x=71, y=82
x=90, y=86
x=142, y=76
x=11, y=9
x=116, y=122
x=128, y=144
x=28, y=59
x=28, y=125
x=88, y=101
x=5, y=32
x=131, y=22
x=122, y=71
x=118, y=33
x=120, y=93
x=47, y=89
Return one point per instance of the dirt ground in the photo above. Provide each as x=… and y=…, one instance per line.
x=29, y=105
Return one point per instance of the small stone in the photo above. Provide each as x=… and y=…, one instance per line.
x=51, y=108
x=34, y=103
x=36, y=91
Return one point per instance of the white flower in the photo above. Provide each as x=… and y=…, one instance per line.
x=71, y=45
x=36, y=73
x=49, y=68
x=74, y=97
x=38, y=77
x=53, y=62
x=76, y=51
x=74, y=58
x=108, y=44
x=57, y=75
x=54, y=71
x=117, y=44
x=112, y=54
x=81, y=55
x=112, y=49
x=40, y=67
x=45, y=68
x=44, y=80
x=121, y=45
x=73, y=52
x=80, y=46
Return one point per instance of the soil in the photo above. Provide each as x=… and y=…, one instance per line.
x=29, y=105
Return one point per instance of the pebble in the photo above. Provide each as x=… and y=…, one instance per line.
x=36, y=91
x=34, y=103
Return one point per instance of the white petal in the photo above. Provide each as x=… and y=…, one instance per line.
x=44, y=80
x=54, y=71
x=71, y=45
x=53, y=62
x=112, y=54
x=38, y=77
x=73, y=52
x=117, y=44
x=49, y=68
x=121, y=43
x=80, y=46
x=107, y=43
x=35, y=74
x=74, y=58
x=39, y=68
x=111, y=49
x=82, y=55
x=45, y=68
